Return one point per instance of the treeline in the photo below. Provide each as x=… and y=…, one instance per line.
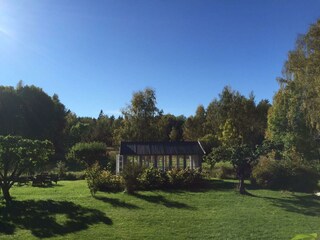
x=29, y=112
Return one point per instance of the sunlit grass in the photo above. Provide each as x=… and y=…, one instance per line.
x=67, y=211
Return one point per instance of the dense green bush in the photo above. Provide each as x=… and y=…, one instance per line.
x=135, y=178
x=130, y=175
x=94, y=177
x=285, y=174
x=88, y=153
x=152, y=178
x=184, y=177
x=223, y=170
x=111, y=161
x=110, y=182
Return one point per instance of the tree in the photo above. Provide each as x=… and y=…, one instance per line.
x=240, y=155
x=287, y=125
x=194, y=127
x=29, y=112
x=88, y=153
x=248, y=120
x=174, y=134
x=140, y=117
x=18, y=156
x=229, y=135
x=169, y=127
x=293, y=120
x=303, y=68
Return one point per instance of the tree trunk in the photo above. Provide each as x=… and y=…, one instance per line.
x=5, y=191
x=242, y=190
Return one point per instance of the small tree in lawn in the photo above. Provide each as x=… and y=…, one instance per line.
x=241, y=156
x=234, y=150
x=18, y=156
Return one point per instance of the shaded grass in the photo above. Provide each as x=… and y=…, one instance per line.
x=40, y=217
x=214, y=211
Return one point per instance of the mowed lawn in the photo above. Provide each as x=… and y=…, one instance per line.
x=67, y=211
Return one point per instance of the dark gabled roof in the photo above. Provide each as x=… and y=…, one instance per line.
x=161, y=148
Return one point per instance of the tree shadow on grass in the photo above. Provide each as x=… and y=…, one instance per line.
x=159, y=199
x=117, y=203
x=307, y=204
x=222, y=185
x=48, y=218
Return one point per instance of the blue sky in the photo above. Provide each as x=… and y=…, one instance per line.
x=95, y=54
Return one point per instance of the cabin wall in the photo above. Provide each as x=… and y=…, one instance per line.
x=164, y=162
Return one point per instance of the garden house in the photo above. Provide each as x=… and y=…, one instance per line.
x=163, y=155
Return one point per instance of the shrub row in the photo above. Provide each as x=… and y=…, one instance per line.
x=153, y=178
x=135, y=178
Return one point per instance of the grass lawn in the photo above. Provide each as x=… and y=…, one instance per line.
x=67, y=211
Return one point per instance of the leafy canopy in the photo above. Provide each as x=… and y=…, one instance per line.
x=18, y=156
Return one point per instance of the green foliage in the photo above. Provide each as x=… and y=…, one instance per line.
x=223, y=170
x=218, y=154
x=111, y=161
x=139, y=122
x=110, y=182
x=94, y=177
x=153, y=178
x=287, y=124
x=29, y=112
x=19, y=156
x=174, y=134
x=194, y=127
x=86, y=129
x=294, y=118
x=240, y=156
x=294, y=175
x=130, y=175
x=181, y=178
x=135, y=178
x=88, y=153
x=229, y=135
x=208, y=142
x=169, y=127
x=302, y=68
x=234, y=117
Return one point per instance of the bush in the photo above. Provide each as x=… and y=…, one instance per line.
x=111, y=161
x=179, y=178
x=94, y=178
x=285, y=174
x=88, y=153
x=152, y=178
x=223, y=170
x=110, y=182
x=130, y=176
